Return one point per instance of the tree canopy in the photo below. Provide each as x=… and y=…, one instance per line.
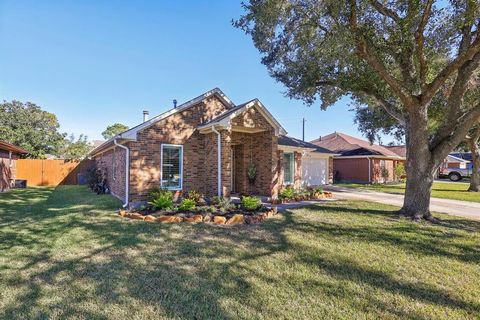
x=396, y=54
x=113, y=130
x=29, y=127
x=75, y=149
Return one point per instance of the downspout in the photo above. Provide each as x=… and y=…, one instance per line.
x=219, y=162
x=369, y=170
x=127, y=170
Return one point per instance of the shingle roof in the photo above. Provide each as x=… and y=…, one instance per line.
x=350, y=146
x=293, y=142
x=10, y=147
x=399, y=150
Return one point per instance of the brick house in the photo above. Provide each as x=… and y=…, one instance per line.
x=207, y=144
x=8, y=164
x=360, y=161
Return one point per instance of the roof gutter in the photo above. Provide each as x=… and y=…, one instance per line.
x=127, y=170
x=219, y=162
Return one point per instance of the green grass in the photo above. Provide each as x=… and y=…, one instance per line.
x=65, y=254
x=453, y=191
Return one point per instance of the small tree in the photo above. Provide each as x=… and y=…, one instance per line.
x=399, y=171
x=113, y=130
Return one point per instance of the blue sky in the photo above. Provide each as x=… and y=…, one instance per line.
x=94, y=63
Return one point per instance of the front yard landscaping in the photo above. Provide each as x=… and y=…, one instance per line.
x=64, y=253
x=444, y=190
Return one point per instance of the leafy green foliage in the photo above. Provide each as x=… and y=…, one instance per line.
x=399, y=170
x=160, y=198
x=194, y=195
x=251, y=203
x=251, y=172
x=225, y=204
x=287, y=193
x=113, y=130
x=75, y=148
x=187, y=205
x=28, y=126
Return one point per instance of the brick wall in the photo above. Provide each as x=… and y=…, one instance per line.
x=199, y=150
x=112, y=163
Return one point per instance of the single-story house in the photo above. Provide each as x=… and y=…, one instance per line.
x=358, y=160
x=208, y=144
x=8, y=164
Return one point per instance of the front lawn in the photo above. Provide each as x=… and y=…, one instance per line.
x=64, y=253
x=444, y=190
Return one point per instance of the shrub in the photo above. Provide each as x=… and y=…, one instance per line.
x=154, y=193
x=385, y=174
x=399, y=171
x=163, y=199
x=316, y=192
x=194, y=195
x=215, y=200
x=250, y=203
x=187, y=205
x=225, y=204
x=287, y=193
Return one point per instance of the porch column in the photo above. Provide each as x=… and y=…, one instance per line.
x=298, y=170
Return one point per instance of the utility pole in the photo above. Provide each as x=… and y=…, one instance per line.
x=303, y=129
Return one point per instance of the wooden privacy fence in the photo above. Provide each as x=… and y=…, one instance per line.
x=40, y=172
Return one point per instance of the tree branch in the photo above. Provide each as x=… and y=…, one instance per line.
x=387, y=106
x=364, y=53
x=420, y=41
x=457, y=134
x=385, y=11
x=456, y=64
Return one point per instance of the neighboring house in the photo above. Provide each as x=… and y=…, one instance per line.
x=8, y=164
x=207, y=144
x=358, y=160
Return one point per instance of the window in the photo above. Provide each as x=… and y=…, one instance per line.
x=172, y=166
x=382, y=164
x=288, y=168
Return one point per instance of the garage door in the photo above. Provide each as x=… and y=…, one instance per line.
x=314, y=171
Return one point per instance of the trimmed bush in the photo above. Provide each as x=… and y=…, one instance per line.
x=194, y=195
x=287, y=193
x=187, y=205
x=163, y=199
x=251, y=203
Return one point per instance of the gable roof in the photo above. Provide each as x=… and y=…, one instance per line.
x=347, y=145
x=399, y=150
x=10, y=147
x=294, y=142
x=131, y=134
x=224, y=119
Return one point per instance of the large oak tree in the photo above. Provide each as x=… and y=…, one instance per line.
x=398, y=54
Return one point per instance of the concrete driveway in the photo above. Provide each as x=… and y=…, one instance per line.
x=453, y=207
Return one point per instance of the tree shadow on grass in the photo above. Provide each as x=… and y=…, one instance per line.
x=120, y=268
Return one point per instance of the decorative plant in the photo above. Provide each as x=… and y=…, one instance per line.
x=399, y=171
x=215, y=200
x=251, y=203
x=194, y=195
x=384, y=172
x=287, y=193
x=251, y=173
x=163, y=200
x=187, y=205
x=316, y=192
x=225, y=204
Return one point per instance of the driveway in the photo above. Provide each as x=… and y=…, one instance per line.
x=453, y=207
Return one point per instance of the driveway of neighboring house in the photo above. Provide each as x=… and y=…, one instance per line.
x=453, y=207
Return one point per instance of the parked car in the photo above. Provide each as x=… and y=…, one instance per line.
x=455, y=174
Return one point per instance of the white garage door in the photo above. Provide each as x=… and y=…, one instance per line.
x=314, y=170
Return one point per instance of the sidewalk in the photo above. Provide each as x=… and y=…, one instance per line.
x=453, y=207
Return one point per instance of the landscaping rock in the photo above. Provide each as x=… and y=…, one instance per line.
x=236, y=219
x=149, y=218
x=123, y=213
x=195, y=218
x=167, y=219
x=219, y=220
x=207, y=218
x=178, y=219
x=135, y=216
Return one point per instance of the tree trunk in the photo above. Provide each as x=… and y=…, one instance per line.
x=475, y=178
x=420, y=170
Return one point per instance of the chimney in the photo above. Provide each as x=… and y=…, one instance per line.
x=145, y=115
x=174, y=103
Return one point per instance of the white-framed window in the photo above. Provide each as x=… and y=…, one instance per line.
x=171, y=170
x=288, y=168
x=382, y=164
